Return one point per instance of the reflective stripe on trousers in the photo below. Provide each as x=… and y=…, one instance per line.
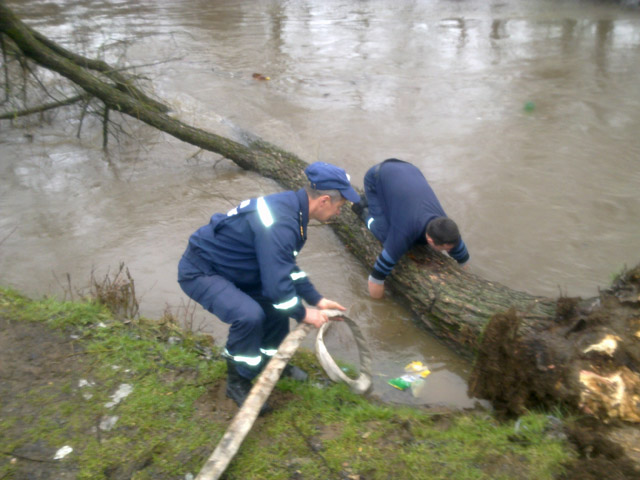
x=254, y=322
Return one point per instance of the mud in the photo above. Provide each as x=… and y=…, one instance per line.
x=603, y=453
x=587, y=360
x=36, y=358
x=33, y=356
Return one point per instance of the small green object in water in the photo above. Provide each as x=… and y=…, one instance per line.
x=399, y=383
x=529, y=107
x=403, y=382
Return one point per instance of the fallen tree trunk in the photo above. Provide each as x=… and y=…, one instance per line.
x=527, y=336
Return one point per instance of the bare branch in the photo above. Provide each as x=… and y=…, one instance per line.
x=45, y=107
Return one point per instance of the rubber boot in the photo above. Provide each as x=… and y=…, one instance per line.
x=238, y=387
x=290, y=371
x=297, y=374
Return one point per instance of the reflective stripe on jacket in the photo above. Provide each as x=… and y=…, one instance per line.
x=254, y=246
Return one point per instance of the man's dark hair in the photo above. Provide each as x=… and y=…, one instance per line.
x=443, y=230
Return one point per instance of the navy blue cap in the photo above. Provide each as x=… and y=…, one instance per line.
x=324, y=176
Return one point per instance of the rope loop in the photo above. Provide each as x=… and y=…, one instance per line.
x=359, y=385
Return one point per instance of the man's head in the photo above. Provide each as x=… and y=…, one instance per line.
x=329, y=188
x=324, y=176
x=442, y=234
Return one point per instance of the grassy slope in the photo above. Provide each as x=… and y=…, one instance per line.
x=173, y=418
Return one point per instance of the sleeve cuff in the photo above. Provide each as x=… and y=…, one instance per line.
x=377, y=281
x=464, y=260
x=299, y=313
x=313, y=298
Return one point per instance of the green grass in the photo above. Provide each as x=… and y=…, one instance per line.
x=318, y=430
x=382, y=442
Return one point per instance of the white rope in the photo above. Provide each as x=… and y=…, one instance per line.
x=228, y=446
x=359, y=385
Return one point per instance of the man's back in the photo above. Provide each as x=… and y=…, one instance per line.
x=233, y=243
x=409, y=203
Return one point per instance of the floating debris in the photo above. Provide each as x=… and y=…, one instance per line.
x=403, y=382
x=414, y=378
x=259, y=76
x=419, y=368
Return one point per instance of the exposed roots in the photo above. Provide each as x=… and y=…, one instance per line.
x=513, y=375
x=588, y=358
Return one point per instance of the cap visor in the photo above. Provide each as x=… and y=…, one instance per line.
x=351, y=195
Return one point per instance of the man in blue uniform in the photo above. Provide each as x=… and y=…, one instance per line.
x=242, y=268
x=402, y=211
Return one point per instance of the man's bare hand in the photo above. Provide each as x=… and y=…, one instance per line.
x=326, y=304
x=376, y=290
x=315, y=317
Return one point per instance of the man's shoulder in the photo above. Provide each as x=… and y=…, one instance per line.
x=402, y=181
x=283, y=208
x=398, y=167
x=283, y=202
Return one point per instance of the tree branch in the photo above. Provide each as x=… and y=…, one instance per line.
x=45, y=107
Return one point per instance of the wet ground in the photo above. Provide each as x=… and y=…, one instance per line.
x=32, y=357
x=587, y=359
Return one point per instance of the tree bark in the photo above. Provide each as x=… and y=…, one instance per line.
x=532, y=338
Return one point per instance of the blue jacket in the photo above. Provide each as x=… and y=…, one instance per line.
x=409, y=204
x=254, y=246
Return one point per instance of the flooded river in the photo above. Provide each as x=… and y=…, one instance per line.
x=523, y=114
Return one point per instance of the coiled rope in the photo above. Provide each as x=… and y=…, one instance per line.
x=228, y=446
x=363, y=382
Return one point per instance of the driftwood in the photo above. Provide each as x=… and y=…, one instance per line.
x=545, y=355
x=246, y=416
x=248, y=413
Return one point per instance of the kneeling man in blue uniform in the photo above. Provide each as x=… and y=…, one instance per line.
x=403, y=211
x=242, y=268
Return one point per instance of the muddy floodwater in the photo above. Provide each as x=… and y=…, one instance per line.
x=524, y=115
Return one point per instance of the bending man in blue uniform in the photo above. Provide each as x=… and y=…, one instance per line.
x=242, y=268
x=402, y=211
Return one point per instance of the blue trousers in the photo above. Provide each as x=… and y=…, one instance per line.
x=377, y=221
x=254, y=323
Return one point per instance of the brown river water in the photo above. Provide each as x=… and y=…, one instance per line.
x=523, y=114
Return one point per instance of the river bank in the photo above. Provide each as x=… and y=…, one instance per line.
x=86, y=395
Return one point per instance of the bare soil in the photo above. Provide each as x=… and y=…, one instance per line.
x=33, y=356
x=520, y=367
